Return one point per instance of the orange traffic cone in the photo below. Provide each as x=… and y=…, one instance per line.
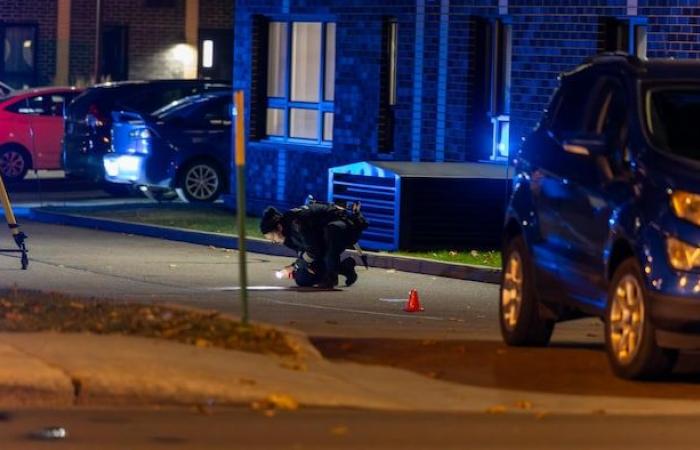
x=413, y=303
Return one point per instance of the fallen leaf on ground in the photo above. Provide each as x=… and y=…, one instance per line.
x=202, y=343
x=283, y=401
x=523, y=404
x=340, y=430
x=497, y=409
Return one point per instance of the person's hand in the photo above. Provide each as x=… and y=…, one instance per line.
x=286, y=272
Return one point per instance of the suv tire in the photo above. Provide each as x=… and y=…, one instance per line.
x=519, y=308
x=630, y=338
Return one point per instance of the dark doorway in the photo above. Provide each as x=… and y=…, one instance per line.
x=490, y=85
x=114, y=62
x=18, y=55
x=215, y=54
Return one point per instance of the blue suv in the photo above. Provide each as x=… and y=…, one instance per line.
x=604, y=216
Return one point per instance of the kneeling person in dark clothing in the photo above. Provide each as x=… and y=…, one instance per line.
x=319, y=233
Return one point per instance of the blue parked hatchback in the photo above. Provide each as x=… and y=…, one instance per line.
x=184, y=147
x=604, y=216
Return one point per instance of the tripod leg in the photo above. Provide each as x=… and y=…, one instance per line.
x=18, y=236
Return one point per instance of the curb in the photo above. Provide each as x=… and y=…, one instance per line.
x=401, y=263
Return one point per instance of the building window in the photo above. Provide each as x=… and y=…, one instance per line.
x=18, y=63
x=300, y=82
x=388, y=86
x=491, y=87
x=625, y=34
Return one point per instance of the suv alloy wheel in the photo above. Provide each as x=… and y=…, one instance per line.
x=520, y=320
x=630, y=338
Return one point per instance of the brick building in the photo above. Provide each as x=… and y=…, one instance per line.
x=330, y=82
x=53, y=41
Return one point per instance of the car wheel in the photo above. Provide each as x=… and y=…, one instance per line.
x=200, y=182
x=630, y=338
x=519, y=312
x=14, y=164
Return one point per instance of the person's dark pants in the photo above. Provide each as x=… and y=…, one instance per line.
x=337, y=237
x=307, y=275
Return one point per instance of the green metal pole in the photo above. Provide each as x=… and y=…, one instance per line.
x=240, y=201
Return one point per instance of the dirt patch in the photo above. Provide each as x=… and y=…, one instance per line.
x=31, y=311
x=580, y=369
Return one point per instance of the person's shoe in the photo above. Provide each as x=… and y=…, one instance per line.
x=328, y=283
x=347, y=269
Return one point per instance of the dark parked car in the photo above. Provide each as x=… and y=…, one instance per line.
x=604, y=217
x=89, y=117
x=185, y=147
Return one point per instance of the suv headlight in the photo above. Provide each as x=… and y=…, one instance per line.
x=686, y=206
x=681, y=255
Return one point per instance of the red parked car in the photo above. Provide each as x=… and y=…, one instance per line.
x=31, y=130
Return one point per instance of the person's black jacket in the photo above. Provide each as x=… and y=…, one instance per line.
x=304, y=227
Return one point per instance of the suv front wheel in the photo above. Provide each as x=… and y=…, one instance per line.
x=519, y=312
x=630, y=338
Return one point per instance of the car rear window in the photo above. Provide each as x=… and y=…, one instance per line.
x=143, y=98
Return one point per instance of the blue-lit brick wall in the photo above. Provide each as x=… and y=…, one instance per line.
x=674, y=28
x=435, y=78
x=549, y=38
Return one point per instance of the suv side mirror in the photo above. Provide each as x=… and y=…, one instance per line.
x=591, y=146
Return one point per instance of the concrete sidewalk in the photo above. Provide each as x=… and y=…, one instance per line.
x=67, y=369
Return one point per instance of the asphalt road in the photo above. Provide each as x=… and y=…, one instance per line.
x=456, y=338
x=94, y=263
x=339, y=429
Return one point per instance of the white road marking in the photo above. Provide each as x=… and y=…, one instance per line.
x=359, y=311
x=393, y=300
x=251, y=288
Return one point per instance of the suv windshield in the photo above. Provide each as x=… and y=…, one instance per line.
x=672, y=119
